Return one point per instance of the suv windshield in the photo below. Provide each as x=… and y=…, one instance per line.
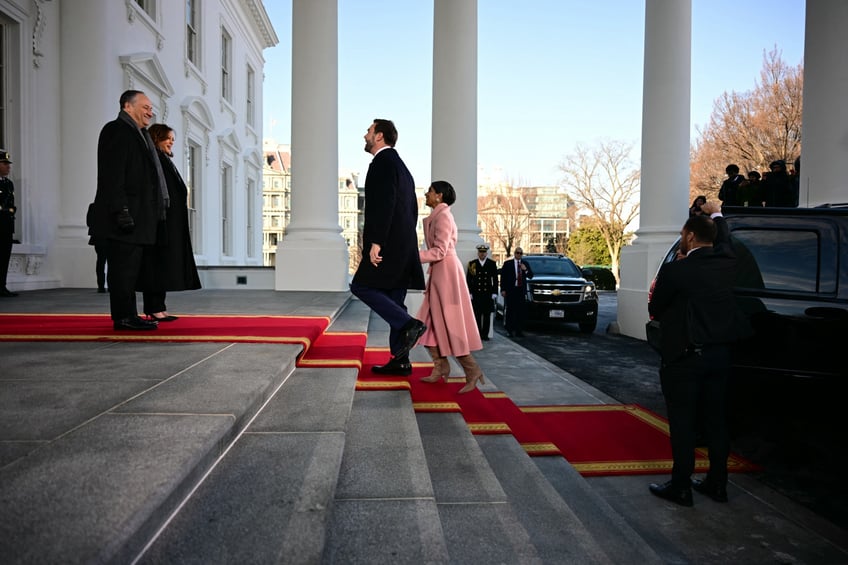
x=553, y=266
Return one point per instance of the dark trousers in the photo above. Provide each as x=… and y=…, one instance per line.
x=388, y=303
x=697, y=378
x=516, y=309
x=154, y=302
x=100, y=266
x=7, y=226
x=482, y=304
x=125, y=262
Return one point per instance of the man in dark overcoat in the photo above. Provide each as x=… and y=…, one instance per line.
x=482, y=278
x=514, y=275
x=127, y=205
x=389, y=265
x=694, y=302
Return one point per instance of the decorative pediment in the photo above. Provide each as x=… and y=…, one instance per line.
x=196, y=108
x=229, y=139
x=144, y=72
x=253, y=156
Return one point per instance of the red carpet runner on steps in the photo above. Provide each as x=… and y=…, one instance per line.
x=595, y=439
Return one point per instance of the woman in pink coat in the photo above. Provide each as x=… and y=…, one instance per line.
x=446, y=310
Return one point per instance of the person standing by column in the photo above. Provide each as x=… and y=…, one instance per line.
x=131, y=198
x=514, y=275
x=482, y=279
x=7, y=221
x=389, y=265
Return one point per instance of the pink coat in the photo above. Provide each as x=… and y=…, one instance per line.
x=446, y=309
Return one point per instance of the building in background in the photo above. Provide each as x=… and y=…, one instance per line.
x=63, y=67
x=276, y=199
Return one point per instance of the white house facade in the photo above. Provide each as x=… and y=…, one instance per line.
x=64, y=65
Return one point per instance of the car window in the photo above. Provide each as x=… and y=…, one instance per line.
x=780, y=260
x=553, y=266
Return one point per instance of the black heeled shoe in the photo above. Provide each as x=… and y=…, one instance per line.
x=161, y=318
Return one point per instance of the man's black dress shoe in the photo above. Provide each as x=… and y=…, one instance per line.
x=394, y=367
x=409, y=335
x=167, y=318
x=6, y=293
x=678, y=495
x=710, y=488
x=134, y=323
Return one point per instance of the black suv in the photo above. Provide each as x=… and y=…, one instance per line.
x=559, y=292
x=793, y=286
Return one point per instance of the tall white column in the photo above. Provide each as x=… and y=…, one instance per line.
x=825, y=119
x=87, y=58
x=313, y=255
x=454, y=149
x=665, y=155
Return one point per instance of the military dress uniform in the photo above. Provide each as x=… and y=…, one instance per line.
x=482, y=282
x=7, y=225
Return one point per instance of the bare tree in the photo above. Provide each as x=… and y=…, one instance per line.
x=503, y=216
x=604, y=181
x=752, y=128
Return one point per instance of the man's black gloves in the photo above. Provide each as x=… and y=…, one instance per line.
x=125, y=221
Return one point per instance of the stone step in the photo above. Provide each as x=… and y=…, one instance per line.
x=384, y=510
x=99, y=491
x=268, y=500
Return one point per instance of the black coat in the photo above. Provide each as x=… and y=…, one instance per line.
x=170, y=264
x=391, y=215
x=126, y=176
x=693, y=298
x=508, y=276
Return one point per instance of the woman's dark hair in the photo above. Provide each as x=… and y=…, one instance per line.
x=444, y=188
x=702, y=198
x=159, y=132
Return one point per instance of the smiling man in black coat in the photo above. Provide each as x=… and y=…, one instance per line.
x=128, y=204
x=693, y=300
x=389, y=264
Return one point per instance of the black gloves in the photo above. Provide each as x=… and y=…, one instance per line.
x=125, y=221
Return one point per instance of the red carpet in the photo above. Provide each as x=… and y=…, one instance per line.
x=615, y=439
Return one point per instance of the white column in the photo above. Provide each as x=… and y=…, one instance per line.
x=87, y=58
x=825, y=119
x=313, y=255
x=665, y=155
x=454, y=149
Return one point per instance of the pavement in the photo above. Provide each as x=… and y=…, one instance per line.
x=135, y=452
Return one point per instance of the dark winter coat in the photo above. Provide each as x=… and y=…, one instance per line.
x=391, y=215
x=170, y=264
x=126, y=177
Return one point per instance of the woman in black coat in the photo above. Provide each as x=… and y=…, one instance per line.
x=171, y=265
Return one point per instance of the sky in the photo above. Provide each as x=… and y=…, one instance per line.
x=552, y=74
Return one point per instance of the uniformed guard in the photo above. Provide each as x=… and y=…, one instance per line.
x=482, y=279
x=7, y=220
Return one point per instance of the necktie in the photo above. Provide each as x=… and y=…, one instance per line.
x=519, y=277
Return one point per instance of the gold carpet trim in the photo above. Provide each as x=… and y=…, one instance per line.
x=435, y=406
x=540, y=447
x=483, y=427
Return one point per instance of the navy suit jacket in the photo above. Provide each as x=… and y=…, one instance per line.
x=391, y=216
x=508, y=276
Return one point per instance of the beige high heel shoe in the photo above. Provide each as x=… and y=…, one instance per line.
x=441, y=367
x=473, y=373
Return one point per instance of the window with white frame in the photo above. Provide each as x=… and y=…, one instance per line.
x=192, y=32
x=251, y=78
x=226, y=66
x=226, y=210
